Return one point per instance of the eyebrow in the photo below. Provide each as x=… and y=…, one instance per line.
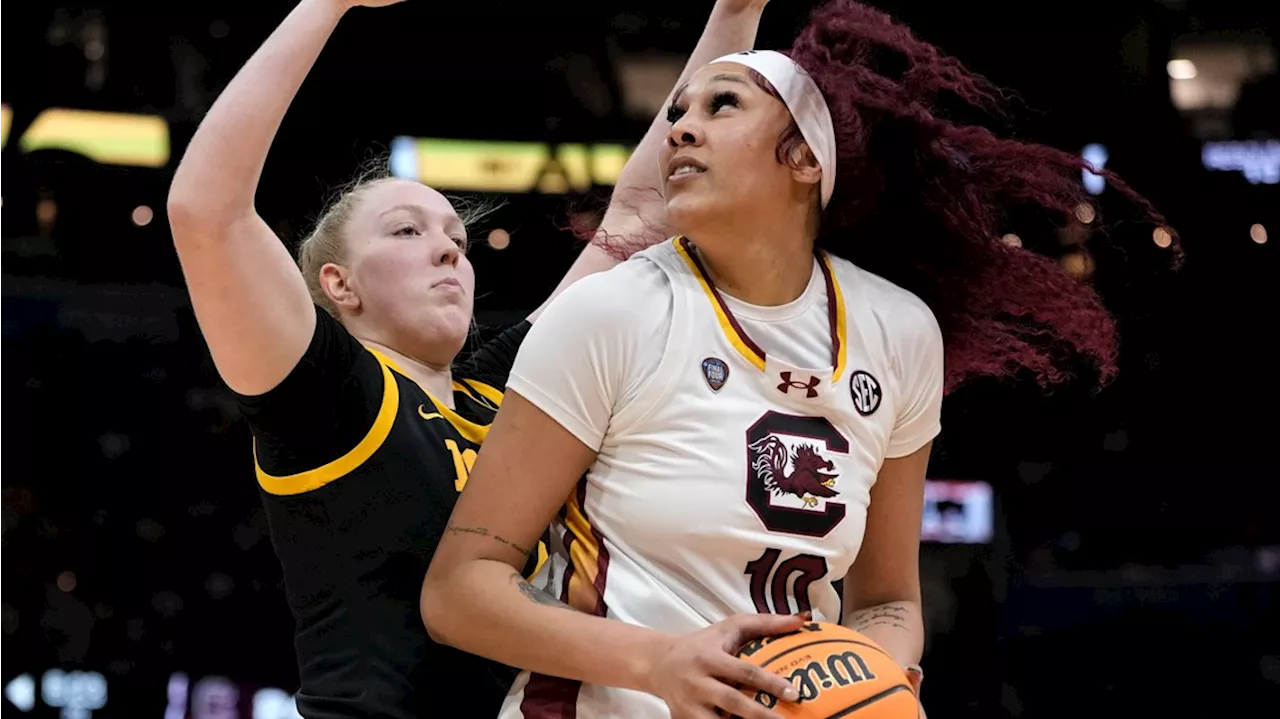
x=675, y=99
x=451, y=222
x=410, y=208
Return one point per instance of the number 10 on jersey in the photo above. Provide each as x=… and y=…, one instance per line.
x=769, y=581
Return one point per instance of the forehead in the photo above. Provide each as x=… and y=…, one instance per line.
x=390, y=194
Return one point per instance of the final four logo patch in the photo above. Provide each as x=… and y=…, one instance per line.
x=715, y=372
x=865, y=391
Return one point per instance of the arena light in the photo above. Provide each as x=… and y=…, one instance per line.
x=1096, y=155
x=6, y=117
x=1258, y=161
x=1181, y=69
x=111, y=138
x=499, y=239
x=507, y=166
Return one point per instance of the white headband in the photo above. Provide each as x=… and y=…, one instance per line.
x=803, y=98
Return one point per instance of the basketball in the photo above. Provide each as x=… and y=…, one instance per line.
x=839, y=672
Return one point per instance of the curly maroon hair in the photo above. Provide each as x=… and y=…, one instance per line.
x=923, y=200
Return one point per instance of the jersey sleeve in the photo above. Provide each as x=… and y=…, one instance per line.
x=491, y=364
x=322, y=409
x=919, y=417
x=592, y=347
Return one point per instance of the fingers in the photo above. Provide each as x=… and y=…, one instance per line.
x=737, y=671
x=737, y=704
x=753, y=626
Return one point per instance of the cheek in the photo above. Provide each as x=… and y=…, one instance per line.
x=386, y=267
x=467, y=275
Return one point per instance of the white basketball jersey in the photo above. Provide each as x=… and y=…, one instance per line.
x=737, y=484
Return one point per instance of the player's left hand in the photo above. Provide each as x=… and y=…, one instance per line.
x=916, y=677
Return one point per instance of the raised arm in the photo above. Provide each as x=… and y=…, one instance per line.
x=636, y=208
x=249, y=297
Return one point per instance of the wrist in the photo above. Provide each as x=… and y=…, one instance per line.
x=753, y=6
x=652, y=653
x=339, y=6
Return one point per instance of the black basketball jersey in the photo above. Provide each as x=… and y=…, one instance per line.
x=359, y=468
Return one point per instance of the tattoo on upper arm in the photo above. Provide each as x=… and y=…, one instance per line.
x=892, y=614
x=534, y=594
x=482, y=532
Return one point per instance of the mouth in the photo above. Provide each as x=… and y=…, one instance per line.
x=683, y=168
x=448, y=282
x=826, y=471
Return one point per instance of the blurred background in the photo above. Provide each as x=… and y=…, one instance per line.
x=1113, y=552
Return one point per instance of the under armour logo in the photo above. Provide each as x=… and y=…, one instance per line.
x=810, y=387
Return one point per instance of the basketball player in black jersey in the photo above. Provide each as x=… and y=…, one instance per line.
x=364, y=428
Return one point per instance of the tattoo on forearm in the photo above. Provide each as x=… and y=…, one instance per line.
x=892, y=614
x=534, y=594
x=482, y=532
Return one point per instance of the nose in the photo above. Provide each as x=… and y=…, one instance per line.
x=449, y=254
x=684, y=132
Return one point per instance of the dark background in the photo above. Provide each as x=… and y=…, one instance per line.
x=1137, y=555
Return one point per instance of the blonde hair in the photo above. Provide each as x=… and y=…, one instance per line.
x=327, y=241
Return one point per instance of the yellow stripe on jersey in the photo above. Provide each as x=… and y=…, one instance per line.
x=584, y=555
x=490, y=393
x=726, y=325
x=316, y=478
x=542, y=559
x=842, y=354
x=474, y=433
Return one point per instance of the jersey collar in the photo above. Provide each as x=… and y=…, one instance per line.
x=738, y=337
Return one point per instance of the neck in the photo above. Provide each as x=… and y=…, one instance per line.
x=436, y=380
x=761, y=266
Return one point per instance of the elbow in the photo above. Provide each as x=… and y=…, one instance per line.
x=433, y=606
x=193, y=218
x=187, y=215
x=188, y=212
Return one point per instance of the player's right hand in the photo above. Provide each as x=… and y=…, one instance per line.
x=697, y=673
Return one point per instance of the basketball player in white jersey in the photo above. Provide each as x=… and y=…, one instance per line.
x=741, y=427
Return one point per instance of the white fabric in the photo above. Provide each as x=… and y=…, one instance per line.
x=797, y=332
x=805, y=101
x=618, y=361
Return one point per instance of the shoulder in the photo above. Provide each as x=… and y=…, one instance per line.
x=632, y=298
x=904, y=317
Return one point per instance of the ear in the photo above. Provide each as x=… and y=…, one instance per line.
x=804, y=165
x=336, y=282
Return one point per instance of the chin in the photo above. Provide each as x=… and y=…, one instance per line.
x=686, y=213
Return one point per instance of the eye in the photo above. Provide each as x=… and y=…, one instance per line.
x=722, y=100
x=461, y=242
x=674, y=114
x=405, y=231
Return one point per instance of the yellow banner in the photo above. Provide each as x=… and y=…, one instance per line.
x=6, y=116
x=507, y=166
x=111, y=138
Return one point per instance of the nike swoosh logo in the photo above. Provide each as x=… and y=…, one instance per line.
x=423, y=413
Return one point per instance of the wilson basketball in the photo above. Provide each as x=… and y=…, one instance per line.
x=839, y=672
